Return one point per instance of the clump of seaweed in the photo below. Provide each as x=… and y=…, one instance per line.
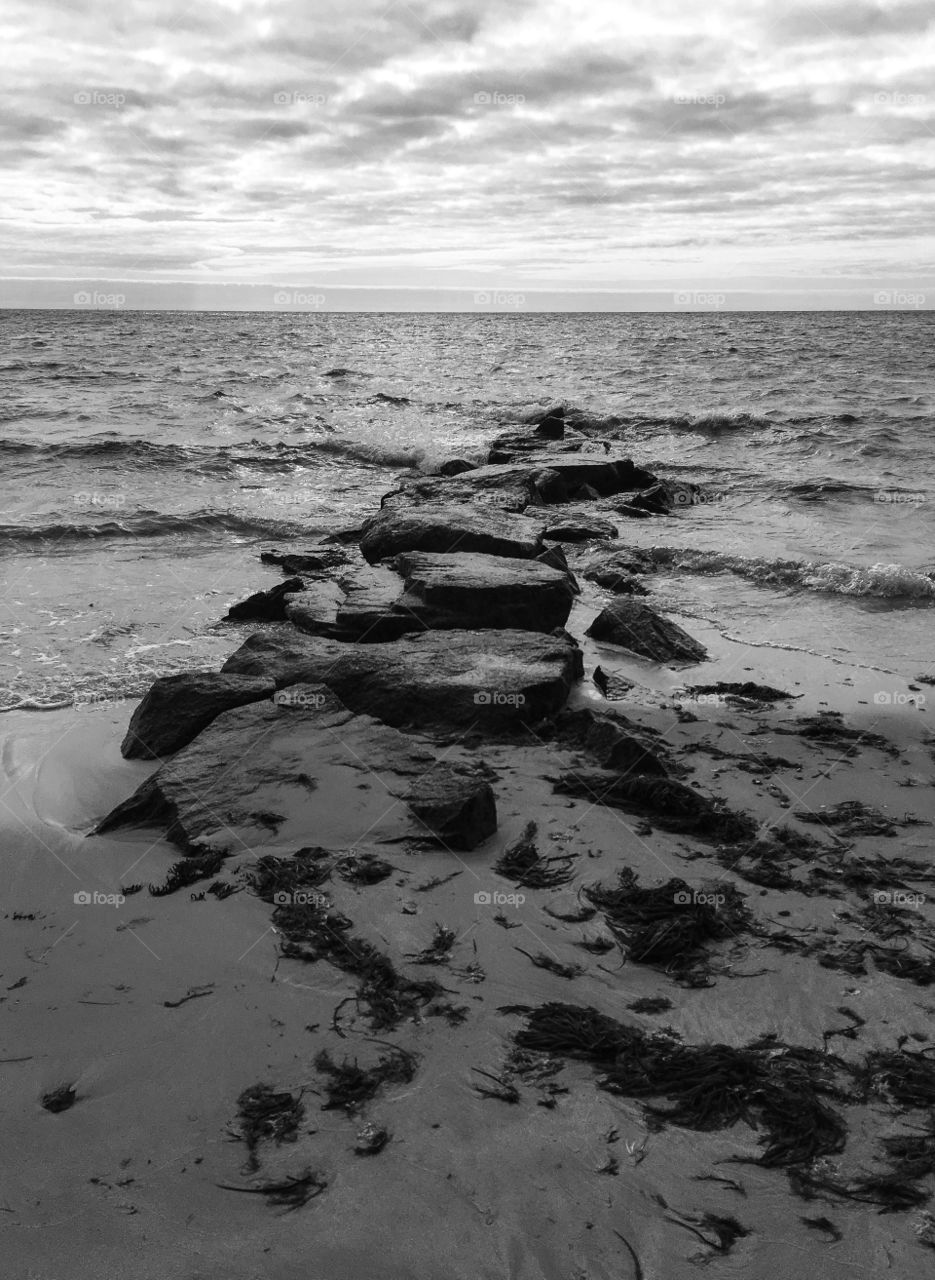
x=188, y=871
x=271, y=877
x=363, y=869
x=777, y=1088
x=650, y=1004
x=350, y=1085
x=289, y=1193
x=524, y=865
x=670, y=925
x=851, y=818
x=828, y=729
x=266, y=1115
x=440, y=948
x=906, y=1077
x=743, y=689
x=542, y=961
x=672, y=805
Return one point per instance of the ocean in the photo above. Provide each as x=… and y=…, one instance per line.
x=148, y=458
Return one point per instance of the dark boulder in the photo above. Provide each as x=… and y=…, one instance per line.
x=456, y=806
x=265, y=606
x=635, y=626
x=580, y=529
x=177, y=708
x=494, y=680
x=478, y=591
x=455, y=467
x=450, y=528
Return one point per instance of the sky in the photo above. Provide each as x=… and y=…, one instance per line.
x=475, y=154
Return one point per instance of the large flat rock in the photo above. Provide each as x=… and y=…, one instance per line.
x=447, y=528
x=437, y=678
x=465, y=591
x=297, y=770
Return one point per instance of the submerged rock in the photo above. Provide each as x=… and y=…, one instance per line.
x=456, y=806
x=494, y=679
x=449, y=528
x=635, y=626
x=580, y=529
x=177, y=708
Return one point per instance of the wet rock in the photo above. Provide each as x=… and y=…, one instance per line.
x=635, y=626
x=455, y=467
x=555, y=557
x=369, y=612
x=315, y=609
x=456, y=806
x=479, y=591
x=580, y=529
x=613, y=741
x=299, y=562
x=177, y=708
x=491, y=679
x=550, y=487
x=288, y=770
x=450, y=528
x=265, y=606
x=585, y=494
x=551, y=427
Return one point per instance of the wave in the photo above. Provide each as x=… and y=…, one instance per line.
x=150, y=525
x=879, y=581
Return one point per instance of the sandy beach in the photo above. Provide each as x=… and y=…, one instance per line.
x=157, y=1013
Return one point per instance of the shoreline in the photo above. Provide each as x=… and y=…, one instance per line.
x=162, y=1084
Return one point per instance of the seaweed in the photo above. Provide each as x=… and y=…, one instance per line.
x=439, y=950
x=504, y=1090
x=188, y=871
x=668, y=926
x=825, y=1225
x=851, y=818
x=724, y=1229
x=542, y=961
x=828, y=729
x=363, y=869
x=904, y=1076
x=523, y=864
x=672, y=805
x=350, y=1085
x=266, y=1115
x=743, y=689
x=650, y=1004
x=778, y=1088
x=271, y=877
x=290, y=1193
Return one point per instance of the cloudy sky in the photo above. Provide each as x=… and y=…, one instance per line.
x=188, y=153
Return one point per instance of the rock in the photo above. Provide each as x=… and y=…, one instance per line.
x=635, y=626
x=450, y=528
x=585, y=494
x=297, y=562
x=177, y=708
x=580, y=529
x=602, y=566
x=492, y=679
x=287, y=772
x=456, y=806
x=551, y=427
x=557, y=411
x=555, y=557
x=550, y=487
x=315, y=609
x=480, y=591
x=613, y=741
x=455, y=467
x=265, y=606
